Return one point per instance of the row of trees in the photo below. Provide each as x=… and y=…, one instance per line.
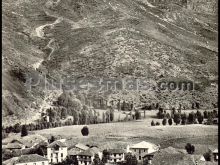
x=183, y=118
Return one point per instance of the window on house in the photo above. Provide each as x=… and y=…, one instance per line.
x=61, y=154
x=51, y=155
x=140, y=151
x=139, y=157
x=144, y=150
x=114, y=154
x=51, y=160
x=134, y=150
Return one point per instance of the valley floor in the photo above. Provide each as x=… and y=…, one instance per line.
x=120, y=134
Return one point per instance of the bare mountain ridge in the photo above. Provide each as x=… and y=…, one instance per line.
x=106, y=38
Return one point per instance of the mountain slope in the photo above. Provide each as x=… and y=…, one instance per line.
x=107, y=38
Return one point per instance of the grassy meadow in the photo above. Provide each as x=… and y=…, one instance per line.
x=121, y=134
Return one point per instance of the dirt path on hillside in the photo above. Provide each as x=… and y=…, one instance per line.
x=39, y=32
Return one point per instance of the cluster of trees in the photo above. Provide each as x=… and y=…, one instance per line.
x=67, y=105
x=108, y=116
x=182, y=118
x=190, y=149
x=17, y=128
x=125, y=106
x=152, y=106
x=153, y=123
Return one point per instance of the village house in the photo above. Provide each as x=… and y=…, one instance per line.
x=215, y=154
x=32, y=159
x=81, y=147
x=86, y=157
x=57, y=151
x=215, y=121
x=116, y=155
x=14, y=146
x=148, y=158
x=140, y=150
x=10, y=161
x=29, y=141
x=73, y=151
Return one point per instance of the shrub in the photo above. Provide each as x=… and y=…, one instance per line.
x=17, y=128
x=190, y=148
x=152, y=123
x=164, y=122
x=207, y=156
x=157, y=123
x=85, y=131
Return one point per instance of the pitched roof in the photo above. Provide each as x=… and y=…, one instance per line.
x=215, y=151
x=32, y=140
x=57, y=143
x=13, y=146
x=116, y=151
x=31, y=158
x=89, y=152
x=73, y=151
x=81, y=146
x=10, y=161
x=144, y=144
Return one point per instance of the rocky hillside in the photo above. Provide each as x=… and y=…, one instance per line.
x=107, y=38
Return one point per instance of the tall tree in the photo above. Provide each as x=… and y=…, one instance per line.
x=177, y=118
x=96, y=160
x=105, y=156
x=24, y=131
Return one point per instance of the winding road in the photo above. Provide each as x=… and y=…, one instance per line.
x=39, y=32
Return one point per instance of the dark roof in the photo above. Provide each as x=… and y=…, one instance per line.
x=90, y=152
x=31, y=158
x=116, y=151
x=57, y=143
